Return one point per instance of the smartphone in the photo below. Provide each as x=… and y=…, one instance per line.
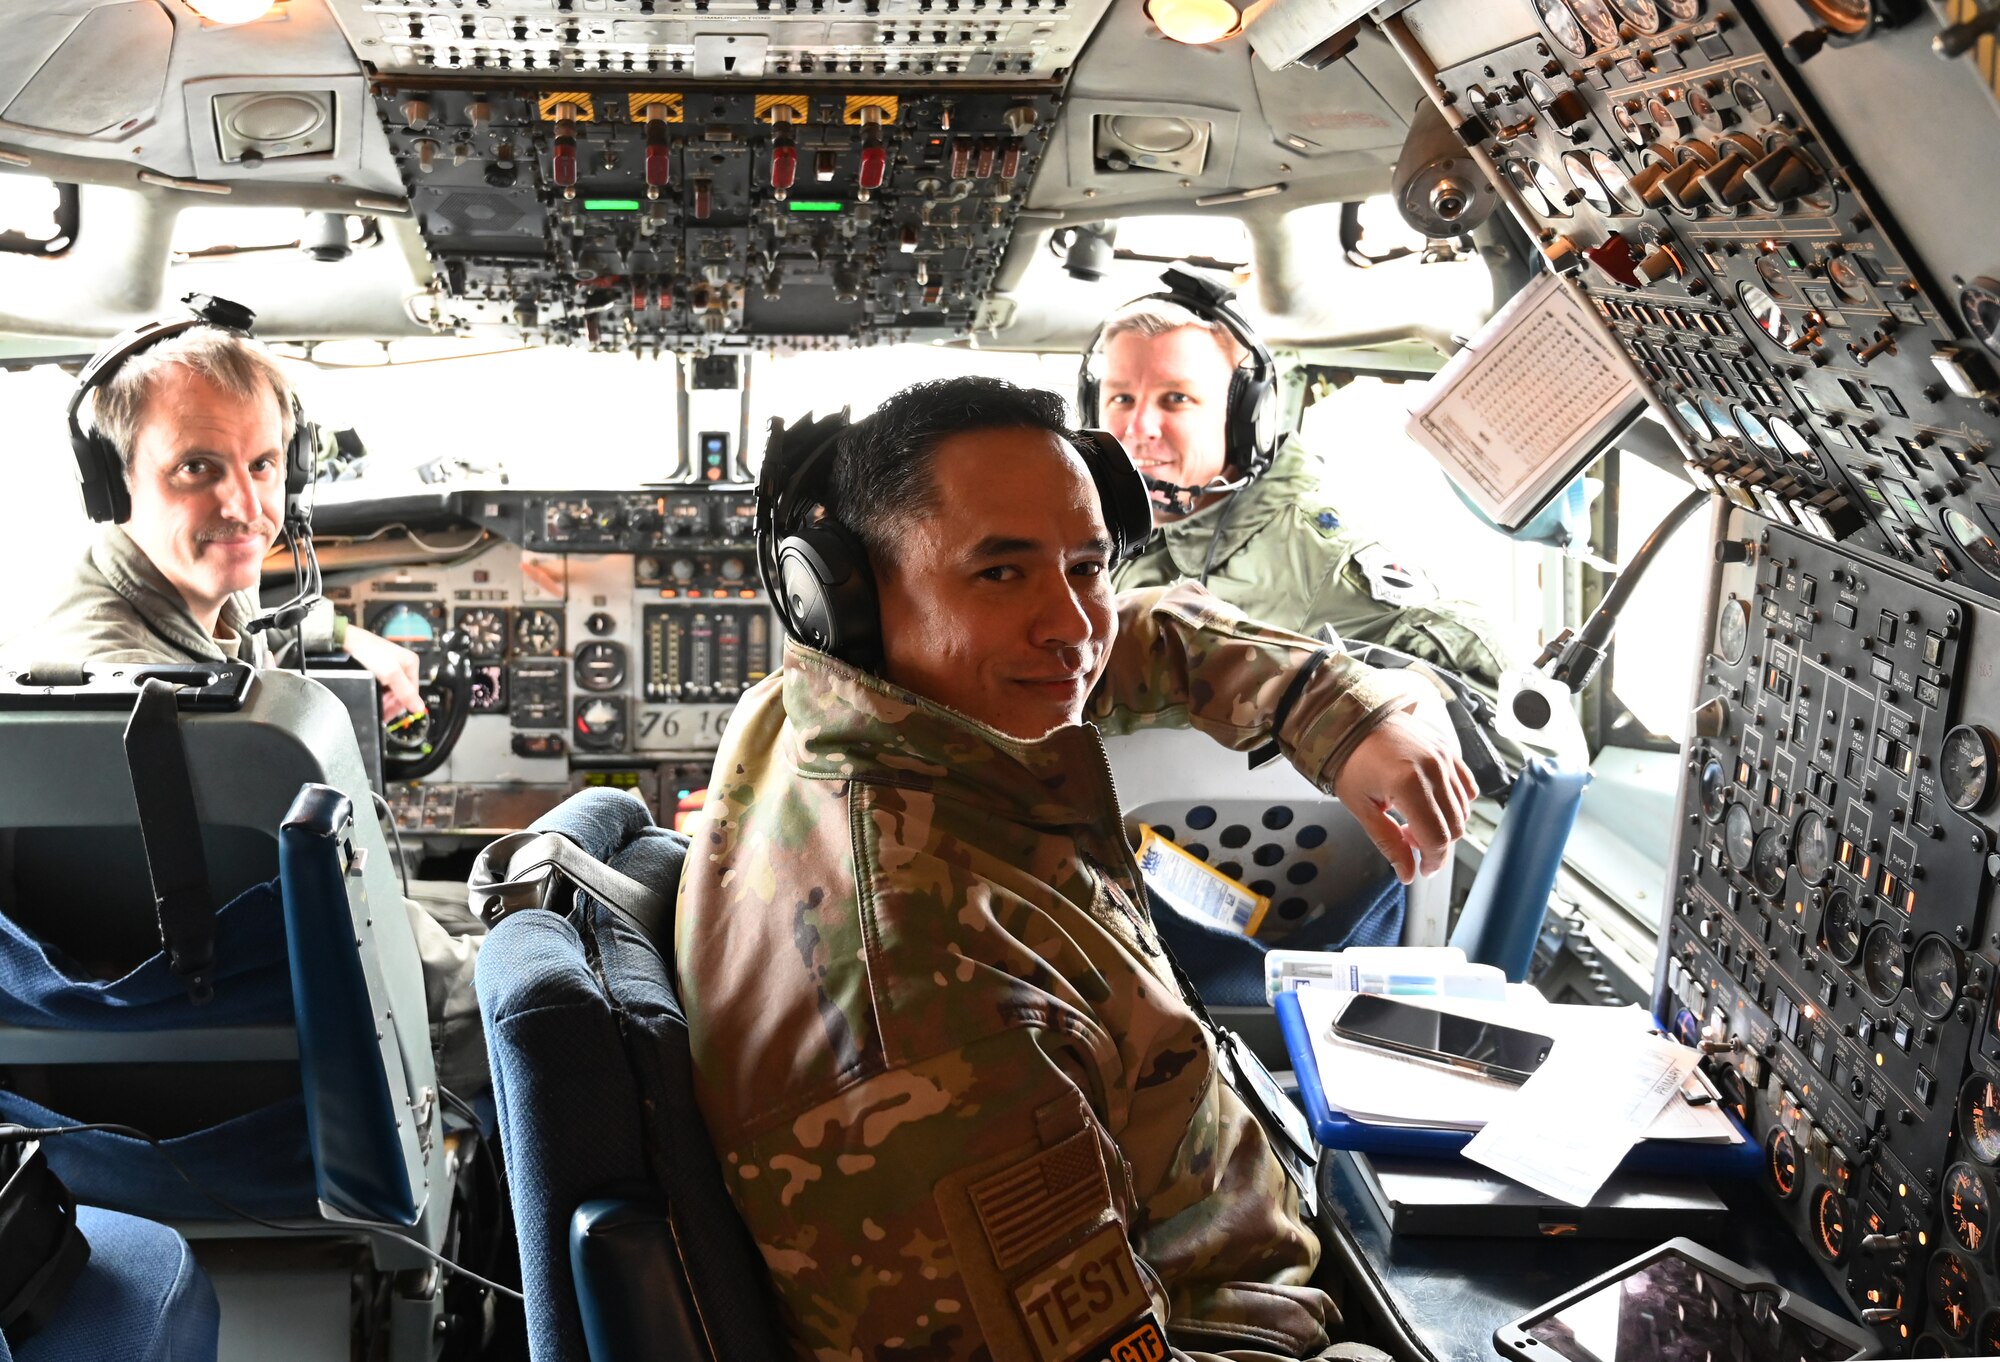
x=1442, y=1037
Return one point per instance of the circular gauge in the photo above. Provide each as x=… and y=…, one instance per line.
x=1845, y=17
x=1578, y=167
x=1781, y=1160
x=1617, y=185
x=1550, y=182
x=1968, y=1208
x=1562, y=26
x=1523, y=181
x=600, y=665
x=1764, y=311
x=1979, y=304
x=1788, y=438
x=489, y=689
x=1739, y=837
x=1752, y=425
x=1750, y=101
x=1714, y=791
x=1847, y=279
x=1951, y=1293
x=1979, y=1118
x=1830, y=1224
x=1767, y=862
x=1773, y=275
x=1976, y=542
x=409, y=736
x=1989, y=1335
x=1703, y=109
x=1840, y=927
x=1882, y=963
x=1635, y=132
x=414, y=624
x=1682, y=11
x=1695, y=421
x=1643, y=15
x=1934, y=977
x=1597, y=20
x=600, y=723
x=1965, y=767
x=1812, y=846
x=538, y=633
x=1538, y=91
x=486, y=627
x=1664, y=118
x=1719, y=417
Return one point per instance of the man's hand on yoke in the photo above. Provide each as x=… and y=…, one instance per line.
x=1407, y=767
x=394, y=668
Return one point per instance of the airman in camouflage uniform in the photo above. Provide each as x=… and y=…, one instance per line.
x=1275, y=548
x=960, y=1100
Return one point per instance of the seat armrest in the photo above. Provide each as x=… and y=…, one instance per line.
x=631, y=1287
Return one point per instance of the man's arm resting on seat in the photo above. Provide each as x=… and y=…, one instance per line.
x=1182, y=656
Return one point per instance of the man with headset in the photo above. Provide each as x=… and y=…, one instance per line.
x=962, y=1096
x=1195, y=396
x=198, y=457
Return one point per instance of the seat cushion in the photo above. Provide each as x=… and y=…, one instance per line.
x=141, y=1298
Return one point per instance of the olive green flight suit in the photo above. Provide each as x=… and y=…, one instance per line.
x=1285, y=558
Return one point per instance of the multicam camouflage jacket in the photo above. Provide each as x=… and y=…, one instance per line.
x=1284, y=557
x=959, y=1098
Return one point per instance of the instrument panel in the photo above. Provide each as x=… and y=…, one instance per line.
x=610, y=633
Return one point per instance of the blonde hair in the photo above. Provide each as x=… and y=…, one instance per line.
x=233, y=363
x=1152, y=317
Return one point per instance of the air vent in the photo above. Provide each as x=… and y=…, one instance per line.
x=254, y=126
x=1151, y=142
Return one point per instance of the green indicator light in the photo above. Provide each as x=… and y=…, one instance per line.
x=814, y=206
x=611, y=205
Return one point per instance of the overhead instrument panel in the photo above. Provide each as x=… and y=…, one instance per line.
x=639, y=197
x=1667, y=154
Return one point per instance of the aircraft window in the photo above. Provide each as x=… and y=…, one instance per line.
x=1224, y=240
x=37, y=216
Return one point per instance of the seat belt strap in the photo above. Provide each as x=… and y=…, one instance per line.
x=170, y=830
x=528, y=857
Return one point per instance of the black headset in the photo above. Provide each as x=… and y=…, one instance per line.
x=100, y=471
x=816, y=569
x=1254, y=419
x=42, y=1250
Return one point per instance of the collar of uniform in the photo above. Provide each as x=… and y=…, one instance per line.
x=139, y=580
x=1285, y=482
x=852, y=725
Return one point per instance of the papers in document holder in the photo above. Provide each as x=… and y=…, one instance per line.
x=1362, y=1098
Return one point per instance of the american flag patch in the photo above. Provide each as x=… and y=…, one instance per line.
x=1041, y=1203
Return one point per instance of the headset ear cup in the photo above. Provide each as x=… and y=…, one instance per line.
x=1122, y=494
x=101, y=479
x=827, y=593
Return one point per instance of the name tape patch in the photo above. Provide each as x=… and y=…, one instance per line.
x=1084, y=1297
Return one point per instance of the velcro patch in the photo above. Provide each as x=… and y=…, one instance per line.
x=1043, y=1201
x=1083, y=1298
x=1393, y=583
x=1145, y=1341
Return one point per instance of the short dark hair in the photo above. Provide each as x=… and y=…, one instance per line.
x=881, y=481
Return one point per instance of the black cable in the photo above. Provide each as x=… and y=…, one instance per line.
x=1221, y=524
x=459, y=1105
x=16, y=1132
x=1580, y=658
x=388, y=815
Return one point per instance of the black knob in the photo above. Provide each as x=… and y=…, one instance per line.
x=1732, y=551
x=1807, y=45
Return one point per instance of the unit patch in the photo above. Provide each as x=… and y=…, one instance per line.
x=1085, y=1300
x=1393, y=583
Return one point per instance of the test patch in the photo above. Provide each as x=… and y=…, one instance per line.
x=1086, y=1301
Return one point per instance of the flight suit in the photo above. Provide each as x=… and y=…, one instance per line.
x=959, y=1098
x=119, y=607
x=1285, y=558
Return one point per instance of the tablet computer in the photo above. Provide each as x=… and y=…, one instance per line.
x=1682, y=1301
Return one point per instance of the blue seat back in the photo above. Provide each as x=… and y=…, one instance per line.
x=1510, y=895
x=630, y=1245
x=142, y=1297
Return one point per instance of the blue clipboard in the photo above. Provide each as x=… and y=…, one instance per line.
x=1336, y=1130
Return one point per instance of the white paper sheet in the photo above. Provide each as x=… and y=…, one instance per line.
x=1571, y=1125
